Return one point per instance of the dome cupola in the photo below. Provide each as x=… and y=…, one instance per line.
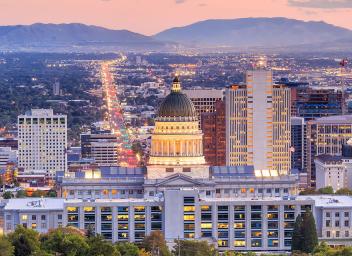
x=177, y=105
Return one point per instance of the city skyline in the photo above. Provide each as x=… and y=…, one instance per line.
x=150, y=17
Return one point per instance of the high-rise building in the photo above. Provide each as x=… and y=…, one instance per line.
x=7, y=156
x=258, y=125
x=213, y=126
x=325, y=136
x=298, y=144
x=56, y=88
x=204, y=99
x=42, y=141
x=310, y=103
x=101, y=146
x=177, y=141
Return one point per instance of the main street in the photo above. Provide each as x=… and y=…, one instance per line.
x=126, y=157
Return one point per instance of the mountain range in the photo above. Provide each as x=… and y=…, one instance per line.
x=234, y=34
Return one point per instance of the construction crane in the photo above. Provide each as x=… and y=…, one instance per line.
x=343, y=66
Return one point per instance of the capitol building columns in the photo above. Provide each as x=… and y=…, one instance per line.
x=177, y=141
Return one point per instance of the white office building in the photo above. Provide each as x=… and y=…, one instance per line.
x=42, y=141
x=258, y=125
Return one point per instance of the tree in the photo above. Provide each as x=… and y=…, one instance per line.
x=323, y=249
x=308, y=191
x=51, y=193
x=127, y=249
x=297, y=238
x=64, y=242
x=98, y=246
x=326, y=191
x=21, y=194
x=193, y=248
x=7, y=195
x=344, y=191
x=309, y=232
x=155, y=244
x=6, y=248
x=38, y=193
x=25, y=241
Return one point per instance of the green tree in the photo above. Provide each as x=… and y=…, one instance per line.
x=323, y=250
x=25, y=241
x=6, y=248
x=326, y=191
x=51, y=193
x=297, y=238
x=64, y=242
x=98, y=246
x=7, y=195
x=127, y=249
x=156, y=244
x=193, y=248
x=309, y=232
x=344, y=191
x=21, y=194
x=38, y=193
x=308, y=191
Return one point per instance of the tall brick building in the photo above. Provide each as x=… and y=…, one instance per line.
x=214, y=138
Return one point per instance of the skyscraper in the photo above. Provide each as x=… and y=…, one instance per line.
x=42, y=141
x=298, y=143
x=313, y=103
x=258, y=121
x=325, y=136
x=214, y=139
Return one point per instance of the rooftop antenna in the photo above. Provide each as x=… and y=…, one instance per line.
x=343, y=65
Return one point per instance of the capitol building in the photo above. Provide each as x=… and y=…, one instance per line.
x=233, y=207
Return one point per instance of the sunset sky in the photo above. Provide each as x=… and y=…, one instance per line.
x=151, y=16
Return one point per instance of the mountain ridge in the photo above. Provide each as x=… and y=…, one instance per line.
x=238, y=34
x=254, y=32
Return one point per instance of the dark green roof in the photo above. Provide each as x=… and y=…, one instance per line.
x=177, y=104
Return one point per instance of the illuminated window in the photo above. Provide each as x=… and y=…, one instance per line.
x=139, y=208
x=256, y=233
x=122, y=226
x=206, y=208
x=251, y=190
x=89, y=209
x=122, y=217
x=239, y=225
x=24, y=217
x=139, y=217
x=114, y=192
x=34, y=225
x=189, y=208
x=188, y=217
x=206, y=225
x=189, y=235
x=240, y=243
x=223, y=225
x=72, y=209
x=222, y=243
x=243, y=190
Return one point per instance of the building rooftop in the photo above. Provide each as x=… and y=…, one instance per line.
x=329, y=201
x=342, y=119
x=330, y=159
x=35, y=204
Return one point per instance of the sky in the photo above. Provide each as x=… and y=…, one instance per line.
x=152, y=16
